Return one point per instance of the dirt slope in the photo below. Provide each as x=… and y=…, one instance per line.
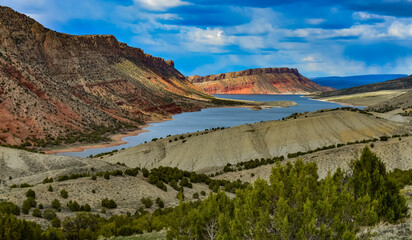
x=396, y=84
x=394, y=152
x=403, y=101
x=28, y=167
x=207, y=151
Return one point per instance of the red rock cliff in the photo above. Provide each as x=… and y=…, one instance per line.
x=258, y=81
x=53, y=84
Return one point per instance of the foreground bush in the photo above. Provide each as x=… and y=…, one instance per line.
x=297, y=205
x=9, y=208
x=294, y=204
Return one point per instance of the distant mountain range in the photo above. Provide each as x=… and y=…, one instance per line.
x=354, y=81
x=396, y=84
x=258, y=81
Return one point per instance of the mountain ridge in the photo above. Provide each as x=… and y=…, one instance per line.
x=395, y=84
x=258, y=81
x=341, y=82
x=55, y=85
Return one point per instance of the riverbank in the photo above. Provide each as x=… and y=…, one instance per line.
x=364, y=99
x=116, y=140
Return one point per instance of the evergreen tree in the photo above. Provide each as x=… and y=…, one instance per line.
x=370, y=178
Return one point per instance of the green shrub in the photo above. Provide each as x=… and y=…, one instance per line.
x=370, y=178
x=106, y=203
x=401, y=177
x=47, y=180
x=195, y=195
x=55, y=222
x=56, y=205
x=12, y=228
x=73, y=206
x=9, y=208
x=64, y=194
x=160, y=202
x=25, y=185
x=132, y=172
x=36, y=213
x=147, y=202
x=185, y=183
x=49, y=214
x=28, y=204
x=87, y=208
x=145, y=172
x=30, y=194
x=63, y=178
x=384, y=138
x=161, y=185
x=50, y=188
x=174, y=185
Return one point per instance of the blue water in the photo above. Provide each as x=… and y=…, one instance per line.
x=217, y=117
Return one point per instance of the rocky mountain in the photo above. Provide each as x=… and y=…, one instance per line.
x=258, y=81
x=54, y=84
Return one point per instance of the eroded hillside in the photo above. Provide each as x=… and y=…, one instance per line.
x=53, y=84
x=209, y=150
x=258, y=81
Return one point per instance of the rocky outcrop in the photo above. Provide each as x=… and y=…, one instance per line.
x=258, y=81
x=54, y=84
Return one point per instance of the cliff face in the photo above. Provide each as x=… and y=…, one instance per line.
x=258, y=81
x=53, y=84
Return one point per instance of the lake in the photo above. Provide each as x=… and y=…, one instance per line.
x=217, y=117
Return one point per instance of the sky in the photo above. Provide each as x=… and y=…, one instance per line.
x=319, y=38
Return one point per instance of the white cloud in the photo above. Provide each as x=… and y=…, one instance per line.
x=208, y=36
x=315, y=21
x=309, y=59
x=367, y=16
x=400, y=30
x=161, y=5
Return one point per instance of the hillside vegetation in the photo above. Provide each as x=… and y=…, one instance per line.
x=294, y=204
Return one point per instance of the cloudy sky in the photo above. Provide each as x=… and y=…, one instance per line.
x=319, y=37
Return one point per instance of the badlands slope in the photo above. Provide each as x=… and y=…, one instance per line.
x=395, y=153
x=33, y=168
x=208, y=151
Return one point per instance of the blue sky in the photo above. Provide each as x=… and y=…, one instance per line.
x=320, y=38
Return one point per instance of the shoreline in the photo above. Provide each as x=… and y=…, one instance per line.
x=116, y=140
x=341, y=103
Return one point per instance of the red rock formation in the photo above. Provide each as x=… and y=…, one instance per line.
x=258, y=81
x=52, y=84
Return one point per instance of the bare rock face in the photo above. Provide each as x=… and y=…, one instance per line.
x=54, y=84
x=258, y=81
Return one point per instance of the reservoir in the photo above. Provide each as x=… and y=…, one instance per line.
x=217, y=117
